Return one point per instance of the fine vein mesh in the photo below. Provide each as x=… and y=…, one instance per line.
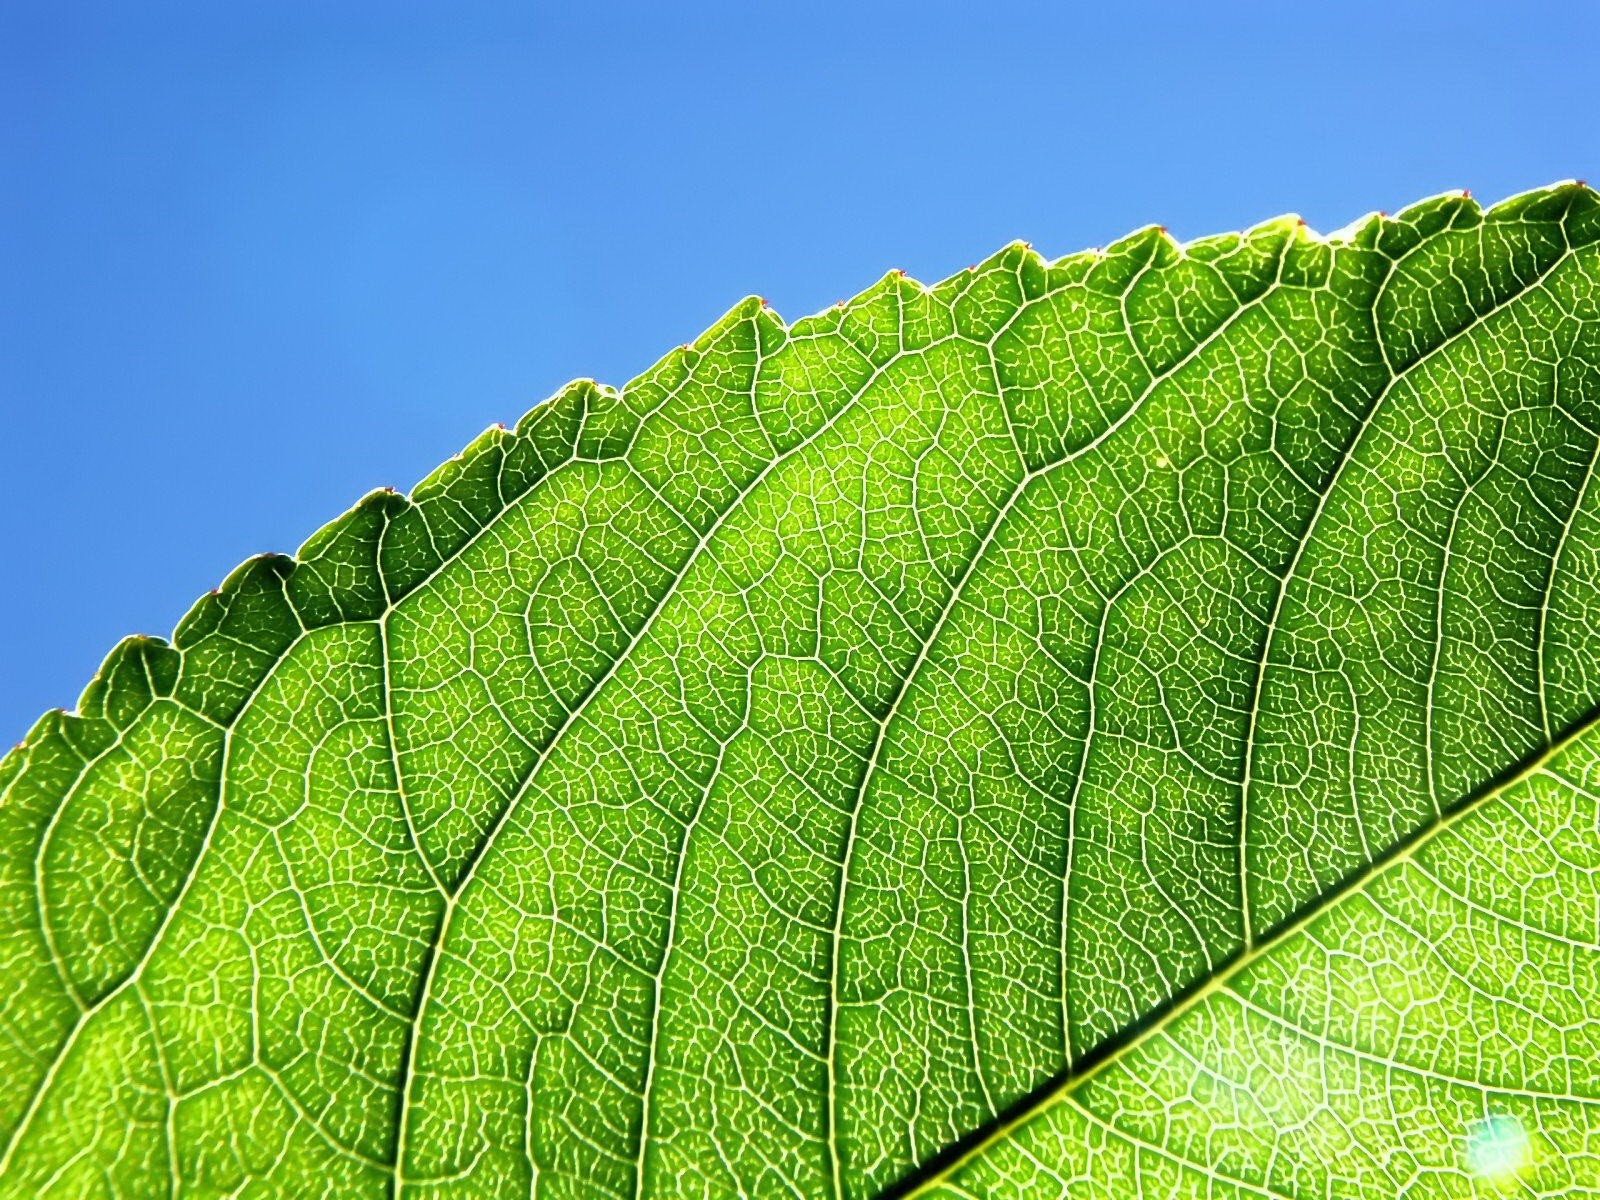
x=758, y=779
x=1290, y=1076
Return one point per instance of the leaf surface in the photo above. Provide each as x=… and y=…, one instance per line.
x=765, y=777
x=1433, y=1032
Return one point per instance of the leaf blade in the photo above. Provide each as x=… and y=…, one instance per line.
x=1293, y=1064
x=800, y=590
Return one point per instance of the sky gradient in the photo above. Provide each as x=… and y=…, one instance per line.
x=259, y=258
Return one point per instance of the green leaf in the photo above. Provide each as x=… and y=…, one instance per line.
x=776, y=776
x=1433, y=1032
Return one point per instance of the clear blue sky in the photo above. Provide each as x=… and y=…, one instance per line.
x=258, y=258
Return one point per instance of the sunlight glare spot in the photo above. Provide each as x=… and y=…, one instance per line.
x=1497, y=1148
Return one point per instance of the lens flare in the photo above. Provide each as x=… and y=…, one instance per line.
x=1497, y=1148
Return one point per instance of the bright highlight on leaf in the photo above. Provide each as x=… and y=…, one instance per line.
x=1497, y=1149
x=1111, y=727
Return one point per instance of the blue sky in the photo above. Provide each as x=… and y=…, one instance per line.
x=259, y=258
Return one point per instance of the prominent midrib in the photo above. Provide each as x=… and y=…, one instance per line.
x=453, y=901
x=830, y=1041
x=1064, y=1088
x=1591, y=474
x=830, y=1030
x=1110, y=1050
x=671, y=588
x=1306, y=537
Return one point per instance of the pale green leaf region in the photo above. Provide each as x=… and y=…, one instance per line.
x=1433, y=1032
x=1048, y=732
x=1497, y=1149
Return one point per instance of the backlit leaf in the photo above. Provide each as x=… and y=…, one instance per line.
x=784, y=775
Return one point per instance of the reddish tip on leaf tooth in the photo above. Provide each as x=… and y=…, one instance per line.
x=764, y=303
x=500, y=425
x=838, y=303
x=390, y=490
x=899, y=272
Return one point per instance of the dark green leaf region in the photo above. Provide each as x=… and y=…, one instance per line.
x=1104, y=727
